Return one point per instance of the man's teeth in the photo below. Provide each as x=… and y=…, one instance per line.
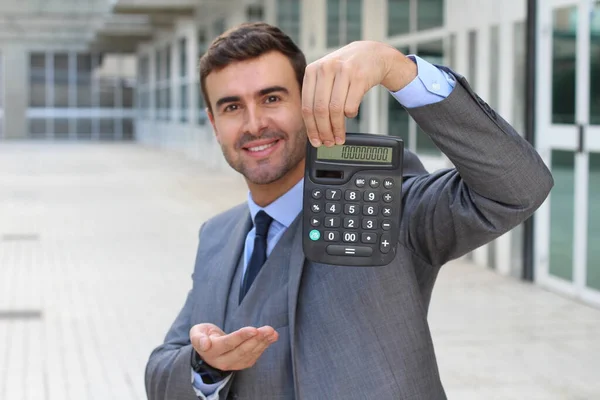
x=261, y=148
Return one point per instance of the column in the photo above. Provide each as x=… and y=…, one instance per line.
x=15, y=62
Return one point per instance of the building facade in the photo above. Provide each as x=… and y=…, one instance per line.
x=136, y=76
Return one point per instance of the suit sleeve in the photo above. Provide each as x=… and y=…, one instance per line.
x=499, y=180
x=168, y=372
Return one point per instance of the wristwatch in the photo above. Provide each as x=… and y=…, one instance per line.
x=208, y=373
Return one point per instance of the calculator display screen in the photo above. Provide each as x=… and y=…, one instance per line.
x=373, y=154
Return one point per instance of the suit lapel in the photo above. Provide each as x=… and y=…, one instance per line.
x=295, y=275
x=224, y=264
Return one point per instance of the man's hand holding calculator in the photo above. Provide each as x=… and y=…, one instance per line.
x=334, y=86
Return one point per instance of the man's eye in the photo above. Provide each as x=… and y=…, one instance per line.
x=231, y=107
x=272, y=99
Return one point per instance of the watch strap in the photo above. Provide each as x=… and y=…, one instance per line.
x=208, y=373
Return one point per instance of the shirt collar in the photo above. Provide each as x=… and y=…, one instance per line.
x=283, y=210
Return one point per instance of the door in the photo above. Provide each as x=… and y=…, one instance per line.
x=567, y=239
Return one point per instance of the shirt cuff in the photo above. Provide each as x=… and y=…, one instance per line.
x=429, y=86
x=207, y=391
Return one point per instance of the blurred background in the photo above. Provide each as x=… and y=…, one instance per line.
x=108, y=167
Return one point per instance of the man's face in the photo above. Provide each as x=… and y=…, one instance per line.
x=257, y=116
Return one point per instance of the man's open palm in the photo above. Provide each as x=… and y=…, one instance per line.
x=234, y=351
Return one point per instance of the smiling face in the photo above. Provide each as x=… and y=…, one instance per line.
x=257, y=119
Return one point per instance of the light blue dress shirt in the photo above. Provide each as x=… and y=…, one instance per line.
x=430, y=86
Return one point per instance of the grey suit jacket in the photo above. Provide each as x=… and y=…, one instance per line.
x=360, y=333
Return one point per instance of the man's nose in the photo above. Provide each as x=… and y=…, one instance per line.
x=255, y=121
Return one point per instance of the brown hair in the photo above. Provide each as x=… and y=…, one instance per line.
x=247, y=41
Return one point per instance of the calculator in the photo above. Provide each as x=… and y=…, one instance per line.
x=352, y=201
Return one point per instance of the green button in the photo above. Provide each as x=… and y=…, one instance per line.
x=314, y=234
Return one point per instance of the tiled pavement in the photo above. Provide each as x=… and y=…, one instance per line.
x=97, y=244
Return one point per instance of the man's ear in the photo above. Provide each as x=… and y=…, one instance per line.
x=211, y=118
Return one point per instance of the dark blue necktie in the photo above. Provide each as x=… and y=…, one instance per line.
x=259, y=251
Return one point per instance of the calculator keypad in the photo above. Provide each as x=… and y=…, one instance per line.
x=356, y=220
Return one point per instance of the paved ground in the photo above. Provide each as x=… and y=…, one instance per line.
x=97, y=244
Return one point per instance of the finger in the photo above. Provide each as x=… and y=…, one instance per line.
x=323, y=87
x=247, y=353
x=308, y=99
x=356, y=91
x=337, y=104
x=200, y=336
x=226, y=343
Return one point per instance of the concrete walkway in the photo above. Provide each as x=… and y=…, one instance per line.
x=97, y=245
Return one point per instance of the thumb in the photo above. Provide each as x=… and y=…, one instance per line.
x=200, y=335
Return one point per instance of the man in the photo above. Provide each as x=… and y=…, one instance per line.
x=287, y=328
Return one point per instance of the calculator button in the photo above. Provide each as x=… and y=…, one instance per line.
x=351, y=209
x=331, y=236
x=333, y=194
x=341, y=250
x=368, y=237
x=350, y=237
x=387, y=197
x=386, y=225
x=317, y=193
x=360, y=182
x=369, y=223
x=315, y=221
x=386, y=211
x=385, y=245
x=314, y=235
x=333, y=208
x=374, y=182
x=370, y=209
x=371, y=196
x=388, y=183
x=333, y=222
x=351, y=222
x=315, y=208
x=352, y=195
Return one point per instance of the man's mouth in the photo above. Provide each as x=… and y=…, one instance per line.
x=262, y=148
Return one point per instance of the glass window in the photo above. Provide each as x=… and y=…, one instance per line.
x=127, y=128
x=333, y=23
x=61, y=128
x=472, y=68
x=595, y=66
x=494, y=99
x=288, y=18
x=83, y=128
x=344, y=22
x=127, y=94
x=254, y=12
x=183, y=57
x=168, y=63
x=37, y=128
x=398, y=17
x=430, y=14
x=61, y=80
x=562, y=209
x=593, y=236
x=432, y=52
x=107, y=127
x=183, y=115
x=563, y=67
x=218, y=27
x=37, y=80
x=353, y=19
x=520, y=68
x=106, y=91
x=84, y=81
